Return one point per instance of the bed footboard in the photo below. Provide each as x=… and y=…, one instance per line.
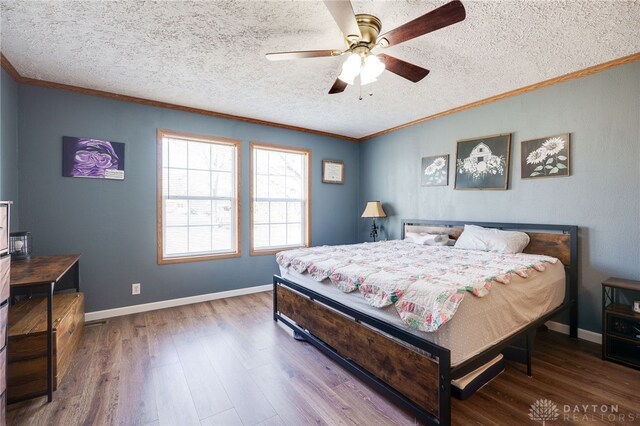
x=377, y=352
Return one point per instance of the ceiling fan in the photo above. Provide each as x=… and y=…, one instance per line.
x=361, y=33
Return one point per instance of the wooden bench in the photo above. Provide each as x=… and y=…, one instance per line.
x=27, y=349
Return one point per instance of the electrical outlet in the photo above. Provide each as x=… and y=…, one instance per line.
x=135, y=288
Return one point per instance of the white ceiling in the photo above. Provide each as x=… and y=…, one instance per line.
x=210, y=54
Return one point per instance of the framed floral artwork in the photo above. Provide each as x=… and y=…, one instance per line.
x=435, y=170
x=92, y=158
x=546, y=157
x=483, y=163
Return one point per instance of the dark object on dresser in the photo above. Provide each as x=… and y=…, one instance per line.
x=20, y=245
x=620, y=324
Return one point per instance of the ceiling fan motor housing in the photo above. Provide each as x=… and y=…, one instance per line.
x=370, y=27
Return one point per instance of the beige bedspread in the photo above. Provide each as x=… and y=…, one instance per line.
x=480, y=322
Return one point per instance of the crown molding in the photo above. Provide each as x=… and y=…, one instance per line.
x=4, y=62
x=546, y=83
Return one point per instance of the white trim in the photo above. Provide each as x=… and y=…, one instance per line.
x=145, y=307
x=587, y=335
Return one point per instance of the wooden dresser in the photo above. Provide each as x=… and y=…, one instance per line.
x=5, y=267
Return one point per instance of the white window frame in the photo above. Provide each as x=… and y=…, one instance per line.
x=236, y=250
x=306, y=213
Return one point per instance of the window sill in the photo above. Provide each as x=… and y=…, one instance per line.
x=188, y=259
x=254, y=252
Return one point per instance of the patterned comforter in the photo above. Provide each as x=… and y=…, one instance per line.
x=425, y=283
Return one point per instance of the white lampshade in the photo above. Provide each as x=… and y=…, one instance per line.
x=371, y=69
x=374, y=209
x=351, y=68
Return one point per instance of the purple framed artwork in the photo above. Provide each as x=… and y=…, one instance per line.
x=92, y=158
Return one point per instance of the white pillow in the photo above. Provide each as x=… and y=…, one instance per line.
x=426, y=239
x=488, y=239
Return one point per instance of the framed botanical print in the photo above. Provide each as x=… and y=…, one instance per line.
x=435, y=170
x=546, y=157
x=483, y=163
x=332, y=171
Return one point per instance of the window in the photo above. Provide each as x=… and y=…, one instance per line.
x=280, y=194
x=198, y=197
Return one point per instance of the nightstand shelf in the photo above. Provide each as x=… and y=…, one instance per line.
x=620, y=324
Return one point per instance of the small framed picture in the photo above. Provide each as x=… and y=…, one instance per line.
x=636, y=306
x=332, y=171
x=546, y=157
x=435, y=170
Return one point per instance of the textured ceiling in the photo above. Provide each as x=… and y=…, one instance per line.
x=210, y=54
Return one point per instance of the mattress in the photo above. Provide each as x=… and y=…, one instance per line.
x=480, y=322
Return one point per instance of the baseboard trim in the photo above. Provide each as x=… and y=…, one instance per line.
x=587, y=335
x=146, y=307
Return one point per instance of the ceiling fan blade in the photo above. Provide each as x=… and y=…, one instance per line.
x=343, y=14
x=438, y=18
x=338, y=87
x=283, y=56
x=403, y=69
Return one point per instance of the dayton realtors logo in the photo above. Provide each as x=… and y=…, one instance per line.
x=543, y=410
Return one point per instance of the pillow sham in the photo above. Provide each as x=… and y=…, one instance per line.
x=488, y=239
x=426, y=239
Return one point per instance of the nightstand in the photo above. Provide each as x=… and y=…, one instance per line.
x=620, y=324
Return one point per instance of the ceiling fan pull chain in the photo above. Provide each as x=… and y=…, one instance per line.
x=360, y=97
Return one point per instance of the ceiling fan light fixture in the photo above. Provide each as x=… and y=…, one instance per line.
x=372, y=68
x=351, y=68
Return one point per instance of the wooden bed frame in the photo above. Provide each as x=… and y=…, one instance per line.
x=412, y=371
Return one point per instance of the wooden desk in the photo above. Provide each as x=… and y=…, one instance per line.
x=42, y=273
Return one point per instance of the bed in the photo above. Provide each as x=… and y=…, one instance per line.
x=416, y=368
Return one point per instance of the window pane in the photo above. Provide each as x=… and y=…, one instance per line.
x=165, y=152
x=294, y=212
x=261, y=212
x=294, y=233
x=221, y=237
x=294, y=187
x=199, y=212
x=177, y=182
x=278, y=235
x=262, y=187
x=222, y=158
x=276, y=187
x=199, y=155
x=278, y=212
x=276, y=163
x=294, y=164
x=177, y=153
x=175, y=212
x=222, y=212
x=199, y=183
x=199, y=238
x=165, y=182
x=262, y=162
x=221, y=184
x=176, y=240
x=261, y=236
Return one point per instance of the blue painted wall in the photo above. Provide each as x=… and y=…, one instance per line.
x=9, y=142
x=113, y=223
x=602, y=113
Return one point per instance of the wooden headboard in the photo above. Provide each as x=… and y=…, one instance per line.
x=559, y=241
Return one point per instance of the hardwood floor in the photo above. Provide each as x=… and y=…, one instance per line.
x=227, y=362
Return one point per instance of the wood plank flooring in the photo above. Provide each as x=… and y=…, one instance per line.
x=226, y=362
